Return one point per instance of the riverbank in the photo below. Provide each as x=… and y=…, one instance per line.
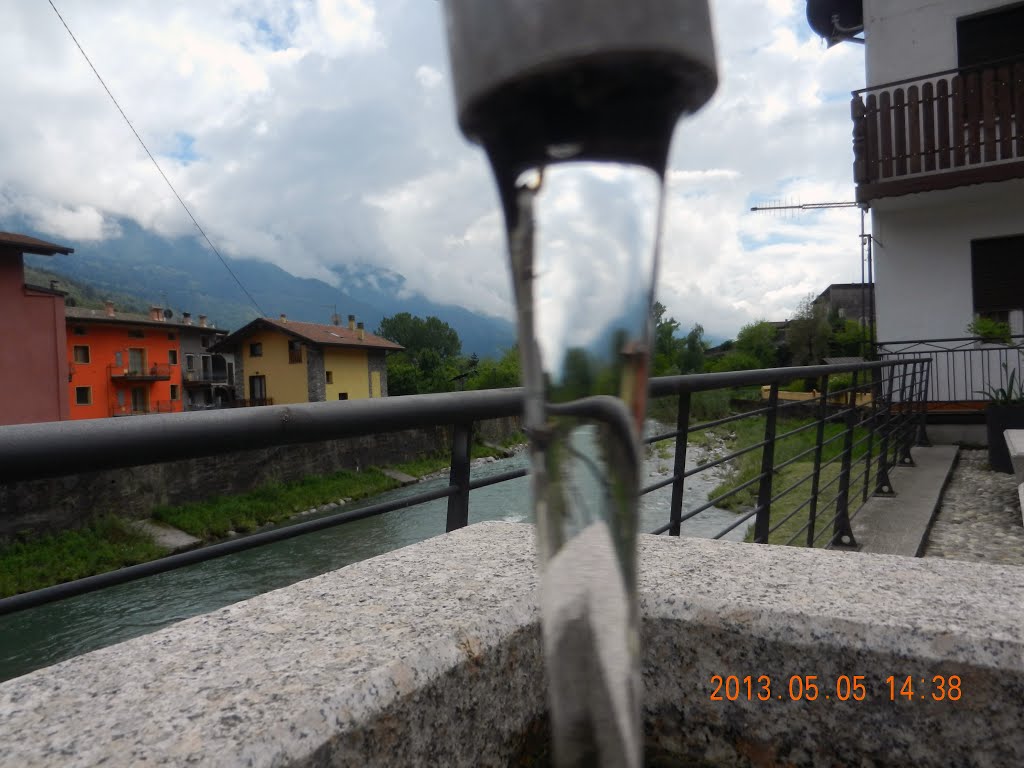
x=108, y=543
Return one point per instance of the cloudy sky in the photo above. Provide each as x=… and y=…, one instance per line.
x=321, y=132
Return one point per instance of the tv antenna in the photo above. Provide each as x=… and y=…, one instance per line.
x=867, y=279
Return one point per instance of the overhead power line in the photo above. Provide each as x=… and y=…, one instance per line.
x=160, y=170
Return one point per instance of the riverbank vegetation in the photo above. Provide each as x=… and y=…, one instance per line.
x=109, y=543
x=102, y=545
x=743, y=471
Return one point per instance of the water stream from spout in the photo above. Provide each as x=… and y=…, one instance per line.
x=584, y=253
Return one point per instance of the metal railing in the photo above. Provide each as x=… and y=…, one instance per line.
x=948, y=121
x=853, y=446
x=152, y=372
x=149, y=409
x=963, y=370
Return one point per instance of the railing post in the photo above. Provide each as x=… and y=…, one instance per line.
x=922, y=424
x=458, y=503
x=869, y=451
x=908, y=426
x=842, y=534
x=764, y=494
x=812, y=512
x=883, y=486
x=679, y=482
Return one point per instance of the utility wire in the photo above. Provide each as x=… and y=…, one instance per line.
x=160, y=170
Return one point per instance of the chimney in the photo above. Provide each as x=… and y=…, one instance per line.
x=284, y=318
x=202, y=321
x=351, y=322
x=156, y=313
x=336, y=319
x=186, y=317
x=362, y=331
x=108, y=305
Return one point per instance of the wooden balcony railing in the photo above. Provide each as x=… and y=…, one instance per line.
x=944, y=130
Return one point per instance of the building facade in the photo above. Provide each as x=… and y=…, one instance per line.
x=283, y=361
x=33, y=362
x=939, y=161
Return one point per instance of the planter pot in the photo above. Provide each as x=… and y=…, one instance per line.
x=999, y=418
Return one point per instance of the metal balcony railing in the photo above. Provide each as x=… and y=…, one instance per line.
x=158, y=406
x=938, y=131
x=151, y=372
x=204, y=377
x=830, y=454
x=964, y=370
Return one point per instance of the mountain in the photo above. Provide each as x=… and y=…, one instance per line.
x=185, y=276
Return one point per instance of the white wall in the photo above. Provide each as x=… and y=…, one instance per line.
x=912, y=38
x=923, y=256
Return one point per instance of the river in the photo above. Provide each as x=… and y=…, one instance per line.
x=42, y=636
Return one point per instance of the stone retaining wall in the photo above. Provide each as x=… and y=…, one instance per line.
x=430, y=655
x=66, y=502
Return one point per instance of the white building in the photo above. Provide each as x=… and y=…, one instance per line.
x=939, y=160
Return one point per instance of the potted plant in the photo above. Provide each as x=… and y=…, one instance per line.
x=989, y=330
x=1005, y=411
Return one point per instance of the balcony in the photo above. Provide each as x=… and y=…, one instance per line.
x=204, y=378
x=160, y=406
x=153, y=372
x=940, y=131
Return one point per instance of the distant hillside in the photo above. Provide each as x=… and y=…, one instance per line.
x=82, y=294
x=184, y=276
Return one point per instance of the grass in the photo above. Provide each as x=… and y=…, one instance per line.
x=745, y=468
x=104, y=545
x=272, y=503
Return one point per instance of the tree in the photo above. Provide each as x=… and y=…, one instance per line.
x=666, y=350
x=691, y=356
x=849, y=340
x=417, y=334
x=497, y=374
x=759, y=341
x=430, y=361
x=808, y=333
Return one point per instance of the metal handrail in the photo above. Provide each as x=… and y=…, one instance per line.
x=37, y=451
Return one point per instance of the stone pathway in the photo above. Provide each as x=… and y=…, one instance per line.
x=979, y=519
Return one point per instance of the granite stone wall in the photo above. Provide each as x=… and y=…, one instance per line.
x=67, y=502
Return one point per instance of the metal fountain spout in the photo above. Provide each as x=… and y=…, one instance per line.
x=575, y=103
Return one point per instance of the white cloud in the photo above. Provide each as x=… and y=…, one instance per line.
x=296, y=133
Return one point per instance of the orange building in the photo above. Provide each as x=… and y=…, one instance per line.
x=33, y=367
x=122, y=364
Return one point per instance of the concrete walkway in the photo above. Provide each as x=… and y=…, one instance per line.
x=898, y=525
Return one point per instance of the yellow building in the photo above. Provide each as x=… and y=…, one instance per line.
x=282, y=361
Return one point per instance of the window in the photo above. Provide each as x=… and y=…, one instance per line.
x=294, y=351
x=83, y=395
x=172, y=356
x=79, y=330
x=81, y=354
x=257, y=388
x=256, y=349
x=330, y=377
x=997, y=273
x=343, y=395
x=190, y=362
x=119, y=359
x=136, y=335
x=175, y=395
x=990, y=36
x=204, y=341
x=172, y=336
